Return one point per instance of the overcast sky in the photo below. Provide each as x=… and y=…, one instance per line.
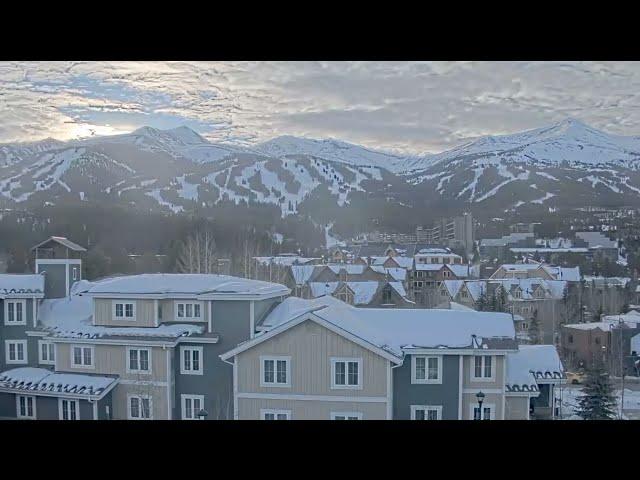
x=411, y=107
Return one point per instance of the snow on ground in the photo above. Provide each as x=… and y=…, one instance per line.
x=571, y=394
x=187, y=190
x=546, y=175
x=155, y=193
x=547, y=196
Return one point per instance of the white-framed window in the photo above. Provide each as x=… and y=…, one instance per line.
x=346, y=373
x=268, y=414
x=191, y=405
x=26, y=407
x=15, y=352
x=426, y=412
x=525, y=326
x=74, y=273
x=426, y=369
x=517, y=293
x=139, y=360
x=417, y=284
x=488, y=411
x=275, y=371
x=82, y=356
x=346, y=415
x=123, y=310
x=15, y=312
x=191, y=311
x=446, y=274
x=483, y=368
x=47, y=352
x=68, y=409
x=191, y=361
x=139, y=407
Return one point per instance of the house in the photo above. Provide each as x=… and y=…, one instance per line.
x=537, y=270
x=128, y=347
x=324, y=359
x=364, y=294
x=426, y=278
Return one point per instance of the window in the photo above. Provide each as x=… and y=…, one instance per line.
x=570, y=338
x=482, y=367
x=25, y=407
x=386, y=295
x=47, y=352
x=81, y=357
x=140, y=407
x=191, y=363
x=426, y=369
x=275, y=414
x=417, y=284
x=275, y=371
x=68, y=409
x=488, y=412
x=597, y=340
x=75, y=273
x=124, y=310
x=426, y=412
x=346, y=415
x=15, y=351
x=464, y=294
x=15, y=312
x=345, y=373
x=446, y=274
x=517, y=293
x=188, y=311
x=139, y=360
x=191, y=406
x=525, y=325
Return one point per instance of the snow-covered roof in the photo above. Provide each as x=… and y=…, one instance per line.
x=350, y=268
x=533, y=364
x=398, y=330
x=285, y=260
x=363, y=292
x=39, y=381
x=302, y=273
x=607, y=322
x=20, y=286
x=62, y=241
x=293, y=307
x=505, y=240
x=397, y=274
x=461, y=271
x=597, y=240
x=569, y=274
x=635, y=344
x=402, y=262
x=166, y=285
x=71, y=317
x=610, y=281
x=399, y=287
x=455, y=306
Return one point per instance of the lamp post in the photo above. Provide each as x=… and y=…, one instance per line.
x=202, y=414
x=480, y=397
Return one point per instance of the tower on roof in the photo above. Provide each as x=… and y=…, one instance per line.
x=59, y=260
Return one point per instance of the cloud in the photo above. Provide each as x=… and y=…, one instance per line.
x=411, y=107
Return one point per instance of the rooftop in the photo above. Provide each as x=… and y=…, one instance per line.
x=19, y=285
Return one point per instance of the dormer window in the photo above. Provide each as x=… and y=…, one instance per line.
x=517, y=293
x=188, y=311
x=124, y=310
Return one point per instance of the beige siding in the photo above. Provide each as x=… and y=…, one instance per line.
x=498, y=378
x=249, y=409
x=145, y=313
x=111, y=359
x=169, y=311
x=516, y=408
x=158, y=400
x=469, y=400
x=310, y=347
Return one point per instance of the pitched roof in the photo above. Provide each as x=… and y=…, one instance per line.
x=533, y=364
x=62, y=241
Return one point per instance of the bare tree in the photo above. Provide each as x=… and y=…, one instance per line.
x=198, y=253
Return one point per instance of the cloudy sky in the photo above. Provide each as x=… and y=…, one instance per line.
x=411, y=107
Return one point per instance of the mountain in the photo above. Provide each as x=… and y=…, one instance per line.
x=568, y=164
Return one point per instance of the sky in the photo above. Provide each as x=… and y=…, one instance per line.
x=403, y=107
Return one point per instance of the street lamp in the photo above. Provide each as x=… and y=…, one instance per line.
x=202, y=414
x=480, y=397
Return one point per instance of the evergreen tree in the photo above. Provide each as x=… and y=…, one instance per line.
x=534, y=329
x=482, y=304
x=597, y=401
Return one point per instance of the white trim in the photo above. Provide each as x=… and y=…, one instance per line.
x=34, y=304
x=275, y=359
x=504, y=386
x=358, y=415
x=69, y=401
x=460, y=380
x=475, y=390
x=155, y=313
x=252, y=319
x=313, y=398
x=145, y=383
x=82, y=365
x=240, y=297
x=25, y=353
x=492, y=413
x=426, y=380
x=99, y=341
x=345, y=360
x=58, y=261
x=198, y=340
x=138, y=371
x=124, y=304
x=472, y=372
x=457, y=351
x=389, y=392
x=235, y=390
x=415, y=408
x=14, y=301
x=141, y=397
x=50, y=348
x=66, y=279
x=34, y=333
x=191, y=371
x=265, y=411
x=169, y=385
x=183, y=398
x=26, y=417
x=95, y=410
x=184, y=304
x=209, y=305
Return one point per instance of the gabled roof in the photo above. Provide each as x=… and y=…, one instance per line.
x=39, y=381
x=533, y=364
x=62, y=241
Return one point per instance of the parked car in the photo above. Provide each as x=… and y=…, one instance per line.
x=575, y=378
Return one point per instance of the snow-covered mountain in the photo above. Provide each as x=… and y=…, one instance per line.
x=567, y=164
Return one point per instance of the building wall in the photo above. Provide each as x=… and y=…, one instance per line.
x=145, y=313
x=17, y=332
x=55, y=279
x=493, y=389
x=249, y=409
x=47, y=408
x=516, y=408
x=310, y=348
x=445, y=394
